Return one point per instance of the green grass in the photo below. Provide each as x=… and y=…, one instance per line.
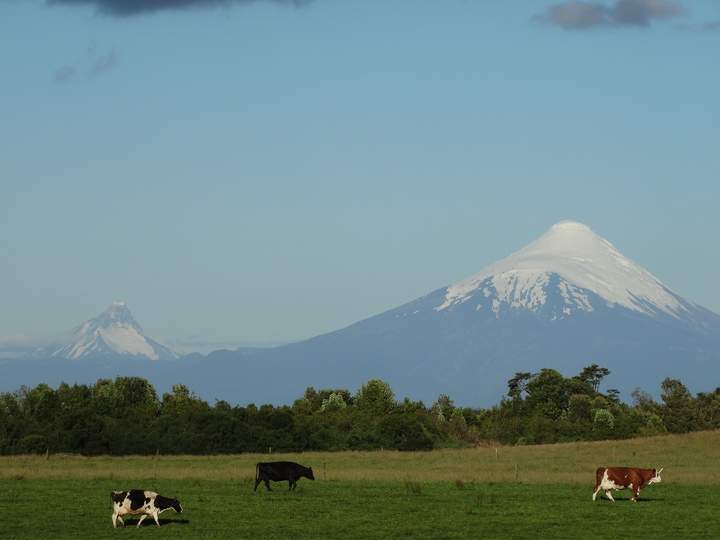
x=357, y=509
x=470, y=493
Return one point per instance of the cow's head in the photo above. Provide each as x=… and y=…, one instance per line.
x=118, y=496
x=165, y=503
x=656, y=477
x=309, y=474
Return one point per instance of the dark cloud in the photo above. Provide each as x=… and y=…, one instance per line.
x=574, y=15
x=643, y=12
x=125, y=8
x=581, y=15
x=64, y=74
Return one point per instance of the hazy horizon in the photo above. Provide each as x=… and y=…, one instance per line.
x=264, y=173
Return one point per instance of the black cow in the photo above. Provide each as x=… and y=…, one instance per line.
x=277, y=471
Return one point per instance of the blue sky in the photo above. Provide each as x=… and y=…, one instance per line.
x=262, y=172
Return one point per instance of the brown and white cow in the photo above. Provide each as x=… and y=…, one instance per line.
x=139, y=502
x=608, y=478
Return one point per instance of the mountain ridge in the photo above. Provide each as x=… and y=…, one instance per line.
x=564, y=301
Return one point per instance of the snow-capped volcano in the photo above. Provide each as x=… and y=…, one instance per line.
x=113, y=332
x=580, y=266
x=567, y=300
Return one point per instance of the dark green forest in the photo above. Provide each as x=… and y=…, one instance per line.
x=126, y=416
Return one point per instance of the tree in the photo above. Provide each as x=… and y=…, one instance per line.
x=679, y=411
x=518, y=384
x=603, y=423
x=643, y=400
x=580, y=408
x=443, y=408
x=708, y=410
x=593, y=374
x=404, y=431
x=548, y=394
x=613, y=396
x=375, y=397
x=334, y=402
x=458, y=424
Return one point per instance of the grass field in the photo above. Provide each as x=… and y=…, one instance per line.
x=516, y=492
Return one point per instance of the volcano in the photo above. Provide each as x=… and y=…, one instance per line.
x=567, y=300
x=112, y=333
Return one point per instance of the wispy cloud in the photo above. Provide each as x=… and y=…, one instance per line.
x=64, y=74
x=582, y=15
x=93, y=66
x=705, y=27
x=712, y=26
x=197, y=344
x=102, y=64
x=19, y=345
x=17, y=341
x=125, y=8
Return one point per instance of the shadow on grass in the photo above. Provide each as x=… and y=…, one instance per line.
x=150, y=523
x=643, y=500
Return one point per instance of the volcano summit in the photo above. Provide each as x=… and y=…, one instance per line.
x=571, y=261
x=568, y=299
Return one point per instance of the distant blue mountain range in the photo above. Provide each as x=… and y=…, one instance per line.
x=565, y=301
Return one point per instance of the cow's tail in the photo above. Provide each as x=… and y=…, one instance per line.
x=257, y=473
x=598, y=476
x=598, y=480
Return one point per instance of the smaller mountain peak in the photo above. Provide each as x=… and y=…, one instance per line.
x=114, y=331
x=118, y=307
x=117, y=312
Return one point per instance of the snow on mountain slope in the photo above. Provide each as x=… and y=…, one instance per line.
x=566, y=300
x=113, y=332
x=584, y=261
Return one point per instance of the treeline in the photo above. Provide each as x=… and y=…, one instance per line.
x=546, y=407
x=126, y=416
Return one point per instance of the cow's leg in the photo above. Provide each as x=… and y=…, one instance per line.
x=257, y=483
x=635, y=496
x=114, y=520
x=609, y=495
x=142, y=518
x=122, y=522
x=267, y=485
x=155, y=517
x=596, y=492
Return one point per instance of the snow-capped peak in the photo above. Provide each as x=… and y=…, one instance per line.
x=114, y=331
x=584, y=261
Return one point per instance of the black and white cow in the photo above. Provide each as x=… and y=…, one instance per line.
x=138, y=502
x=278, y=471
